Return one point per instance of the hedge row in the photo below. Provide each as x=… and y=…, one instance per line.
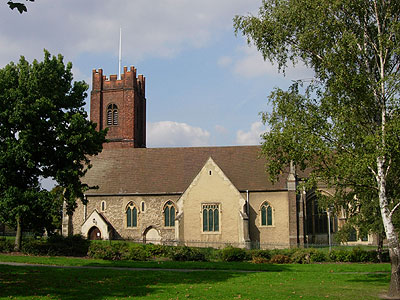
x=140, y=252
x=53, y=246
x=128, y=251
x=78, y=246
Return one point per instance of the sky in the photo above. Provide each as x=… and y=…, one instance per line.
x=204, y=85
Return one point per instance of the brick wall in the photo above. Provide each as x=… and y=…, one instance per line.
x=128, y=94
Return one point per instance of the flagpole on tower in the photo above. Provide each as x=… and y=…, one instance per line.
x=120, y=53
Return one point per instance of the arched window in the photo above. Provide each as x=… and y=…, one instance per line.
x=169, y=214
x=143, y=206
x=112, y=114
x=210, y=217
x=131, y=215
x=266, y=214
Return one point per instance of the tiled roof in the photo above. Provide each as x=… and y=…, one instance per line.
x=171, y=170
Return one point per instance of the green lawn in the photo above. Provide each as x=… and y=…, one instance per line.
x=315, y=281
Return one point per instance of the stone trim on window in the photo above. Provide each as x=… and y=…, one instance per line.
x=210, y=213
x=266, y=215
x=169, y=212
x=131, y=215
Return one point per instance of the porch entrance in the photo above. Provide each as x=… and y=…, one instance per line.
x=94, y=233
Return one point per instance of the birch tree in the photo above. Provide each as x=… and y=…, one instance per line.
x=345, y=123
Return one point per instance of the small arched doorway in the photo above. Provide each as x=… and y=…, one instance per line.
x=94, y=233
x=151, y=235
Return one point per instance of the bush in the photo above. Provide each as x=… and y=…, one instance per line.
x=385, y=256
x=359, y=255
x=280, y=259
x=259, y=260
x=135, y=252
x=234, y=254
x=184, y=253
x=319, y=256
x=301, y=256
x=265, y=254
x=75, y=245
x=101, y=251
x=115, y=251
x=56, y=246
x=157, y=250
x=35, y=247
x=6, y=245
x=339, y=256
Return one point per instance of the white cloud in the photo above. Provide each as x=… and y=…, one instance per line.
x=221, y=129
x=251, y=137
x=174, y=134
x=150, y=28
x=249, y=63
x=224, y=61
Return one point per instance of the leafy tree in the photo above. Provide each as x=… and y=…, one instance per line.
x=46, y=211
x=44, y=132
x=345, y=124
x=21, y=7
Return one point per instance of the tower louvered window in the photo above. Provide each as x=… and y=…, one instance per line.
x=112, y=114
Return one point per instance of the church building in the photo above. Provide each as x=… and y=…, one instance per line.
x=196, y=196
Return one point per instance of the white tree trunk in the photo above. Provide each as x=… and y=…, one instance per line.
x=391, y=235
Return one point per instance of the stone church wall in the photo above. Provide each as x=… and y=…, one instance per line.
x=212, y=187
x=115, y=213
x=277, y=235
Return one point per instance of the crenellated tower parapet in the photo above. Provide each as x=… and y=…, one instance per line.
x=120, y=106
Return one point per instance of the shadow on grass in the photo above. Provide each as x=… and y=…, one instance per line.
x=102, y=283
x=190, y=265
x=372, y=278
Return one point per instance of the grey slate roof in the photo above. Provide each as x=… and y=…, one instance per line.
x=171, y=170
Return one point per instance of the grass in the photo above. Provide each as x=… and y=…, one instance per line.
x=314, y=281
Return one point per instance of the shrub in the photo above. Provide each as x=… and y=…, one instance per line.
x=266, y=254
x=157, y=250
x=385, y=256
x=301, y=256
x=135, y=252
x=280, y=259
x=319, y=256
x=56, y=246
x=75, y=245
x=35, y=247
x=339, y=256
x=259, y=260
x=287, y=252
x=234, y=254
x=106, y=251
x=184, y=253
x=6, y=245
x=359, y=255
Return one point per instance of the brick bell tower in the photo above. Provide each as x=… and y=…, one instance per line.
x=120, y=106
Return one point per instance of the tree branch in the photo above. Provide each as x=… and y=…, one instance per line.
x=393, y=210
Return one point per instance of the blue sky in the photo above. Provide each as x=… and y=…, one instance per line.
x=204, y=86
